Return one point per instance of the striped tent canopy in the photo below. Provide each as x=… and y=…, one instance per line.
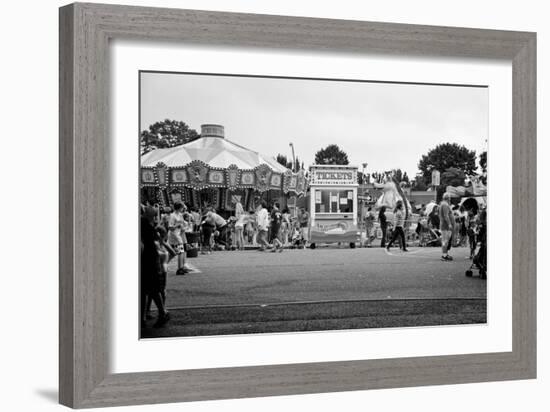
x=216, y=152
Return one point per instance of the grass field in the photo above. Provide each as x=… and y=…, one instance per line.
x=301, y=317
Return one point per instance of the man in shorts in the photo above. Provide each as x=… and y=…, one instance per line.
x=446, y=226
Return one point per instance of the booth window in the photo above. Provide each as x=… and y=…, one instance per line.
x=333, y=201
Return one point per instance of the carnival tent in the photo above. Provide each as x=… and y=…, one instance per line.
x=215, y=166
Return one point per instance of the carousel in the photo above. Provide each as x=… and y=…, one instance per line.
x=214, y=171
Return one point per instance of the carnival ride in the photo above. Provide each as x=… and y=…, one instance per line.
x=214, y=171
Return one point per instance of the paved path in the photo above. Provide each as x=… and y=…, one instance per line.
x=323, y=274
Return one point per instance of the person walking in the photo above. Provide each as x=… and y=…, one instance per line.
x=383, y=224
x=303, y=220
x=446, y=226
x=176, y=236
x=276, y=220
x=151, y=282
x=399, y=223
x=262, y=221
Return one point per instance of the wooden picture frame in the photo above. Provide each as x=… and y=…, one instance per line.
x=85, y=31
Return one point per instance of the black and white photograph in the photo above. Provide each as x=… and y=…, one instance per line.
x=279, y=204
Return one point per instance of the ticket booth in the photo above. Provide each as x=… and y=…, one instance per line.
x=333, y=204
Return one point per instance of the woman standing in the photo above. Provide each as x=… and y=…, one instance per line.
x=399, y=222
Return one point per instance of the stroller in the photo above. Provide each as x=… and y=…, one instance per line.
x=479, y=262
x=428, y=236
x=296, y=240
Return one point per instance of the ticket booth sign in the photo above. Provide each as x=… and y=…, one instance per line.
x=333, y=176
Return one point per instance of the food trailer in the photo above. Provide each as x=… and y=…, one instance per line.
x=333, y=204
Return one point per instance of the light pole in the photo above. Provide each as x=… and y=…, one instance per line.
x=293, y=171
x=293, y=157
x=362, y=221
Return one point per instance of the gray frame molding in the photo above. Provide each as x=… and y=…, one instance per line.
x=85, y=30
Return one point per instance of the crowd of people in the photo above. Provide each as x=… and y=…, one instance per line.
x=440, y=224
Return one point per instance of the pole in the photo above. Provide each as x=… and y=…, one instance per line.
x=293, y=157
x=362, y=221
x=293, y=171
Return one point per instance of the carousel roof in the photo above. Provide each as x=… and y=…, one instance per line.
x=217, y=152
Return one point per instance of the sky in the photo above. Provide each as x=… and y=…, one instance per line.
x=386, y=125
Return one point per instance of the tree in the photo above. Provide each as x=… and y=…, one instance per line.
x=168, y=133
x=445, y=156
x=450, y=177
x=400, y=176
x=281, y=159
x=419, y=183
x=331, y=155
x=286, y=162
x=483, y=161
